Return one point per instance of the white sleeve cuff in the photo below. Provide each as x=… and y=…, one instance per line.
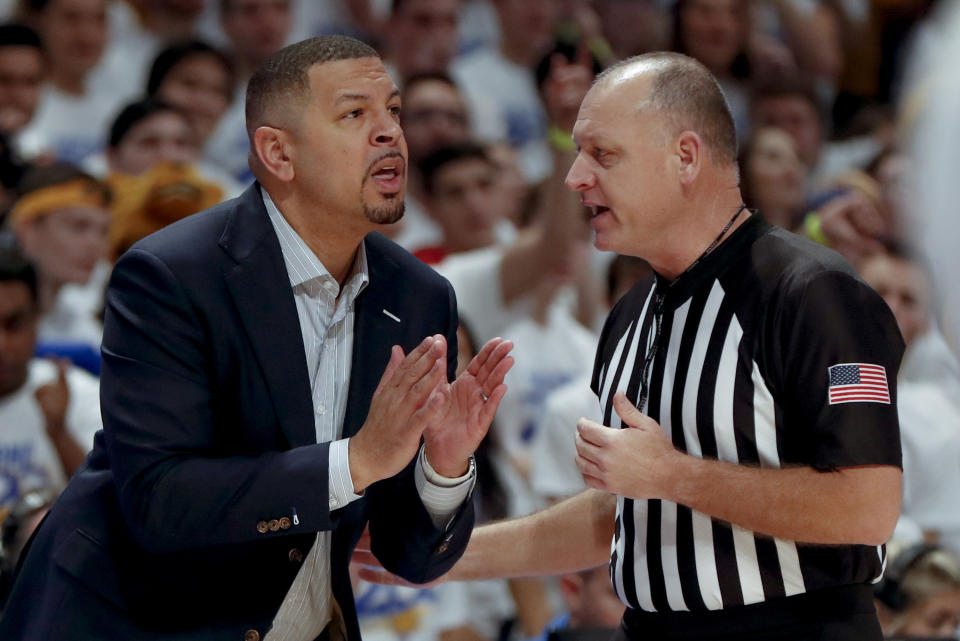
x=340, y=482
x=442, y=496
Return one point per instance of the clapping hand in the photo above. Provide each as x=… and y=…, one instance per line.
x=473, y=401
x=413, y=392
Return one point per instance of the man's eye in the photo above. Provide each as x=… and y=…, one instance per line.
x=356, y=113
x=395, y=110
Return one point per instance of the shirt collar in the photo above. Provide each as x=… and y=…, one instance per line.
x=713, y=264
x=302, y=264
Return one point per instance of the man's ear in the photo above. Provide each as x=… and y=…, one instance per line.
x=690, y=151
x=272, y=148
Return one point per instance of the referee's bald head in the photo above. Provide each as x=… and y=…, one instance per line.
x=686, y=94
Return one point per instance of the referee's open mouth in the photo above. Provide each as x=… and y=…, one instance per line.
x=596, y=212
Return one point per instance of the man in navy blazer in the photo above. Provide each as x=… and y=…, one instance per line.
x=206, y=490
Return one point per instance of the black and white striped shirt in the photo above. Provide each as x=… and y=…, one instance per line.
x=738, y=350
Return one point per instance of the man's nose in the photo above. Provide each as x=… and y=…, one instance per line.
x=579, y=178
x=387, y=131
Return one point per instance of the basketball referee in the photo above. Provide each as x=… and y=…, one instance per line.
x=748, y=470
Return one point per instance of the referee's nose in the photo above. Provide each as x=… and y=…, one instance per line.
x=580, y=177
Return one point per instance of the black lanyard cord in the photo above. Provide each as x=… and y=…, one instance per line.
x=658, y=301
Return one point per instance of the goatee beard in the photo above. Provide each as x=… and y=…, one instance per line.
x=384, y=214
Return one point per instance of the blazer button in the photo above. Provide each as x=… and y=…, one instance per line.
x=274, y=525
x=251, y=635
x=285, y=523
x=443, y=548
x=295, y=555
x=262, y=527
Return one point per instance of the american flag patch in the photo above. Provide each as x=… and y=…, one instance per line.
x=858, y=383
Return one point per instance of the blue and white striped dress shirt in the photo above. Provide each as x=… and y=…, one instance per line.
x=326, y=314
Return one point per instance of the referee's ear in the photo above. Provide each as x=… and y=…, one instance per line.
x=627, y=411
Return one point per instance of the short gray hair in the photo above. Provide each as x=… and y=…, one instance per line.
x=689, y=96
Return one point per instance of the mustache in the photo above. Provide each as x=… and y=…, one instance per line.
x=389, y=154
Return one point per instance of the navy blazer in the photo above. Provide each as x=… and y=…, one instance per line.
x=209, y=436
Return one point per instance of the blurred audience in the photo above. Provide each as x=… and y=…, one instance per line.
x=196, y=79
x=434, y=114
x=152, y=176
x=772, y=177
x=500, y=86
x=919, y=597
x=930, y=107
x=139, y=29
x=22, y=71
x=592, y=610
x=49, y=411
x=490, y=92
x=717, y=33
x=928, y=389
x=254, y=29
x=73, y=114
x=632, y=27
x=61, y=220
x=146, y=133
x=553, y=472
x=792, y=105
x=420, y=37
x=459, y=182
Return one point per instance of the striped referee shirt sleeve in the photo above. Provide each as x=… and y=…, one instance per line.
x=837, y=320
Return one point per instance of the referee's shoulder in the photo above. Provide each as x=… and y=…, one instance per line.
x=786, y=260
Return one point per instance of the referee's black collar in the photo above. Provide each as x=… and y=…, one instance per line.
x=713, y=264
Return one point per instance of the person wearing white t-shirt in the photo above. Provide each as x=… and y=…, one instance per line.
x=73, y=115
x=48, y=412
x=255, y=29
x=553, y=471
x=495, y=283
x=927, y=401
x=434, y=115
x=501, y=88
x=22, y=68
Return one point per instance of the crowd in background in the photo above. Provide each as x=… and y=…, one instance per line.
x=118, y=117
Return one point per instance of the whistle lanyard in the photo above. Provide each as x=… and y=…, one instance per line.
x=658, y=302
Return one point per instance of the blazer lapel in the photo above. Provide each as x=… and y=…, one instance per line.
x=374, y=333
x=261, y=291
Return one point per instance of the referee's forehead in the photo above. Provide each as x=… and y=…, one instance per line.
x=616, y=100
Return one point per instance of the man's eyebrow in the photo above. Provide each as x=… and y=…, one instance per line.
x=353, y=97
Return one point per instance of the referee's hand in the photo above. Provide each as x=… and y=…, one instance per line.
x=635, y=462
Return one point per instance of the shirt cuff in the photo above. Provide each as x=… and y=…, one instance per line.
x=340, y=482
x=442, y=496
